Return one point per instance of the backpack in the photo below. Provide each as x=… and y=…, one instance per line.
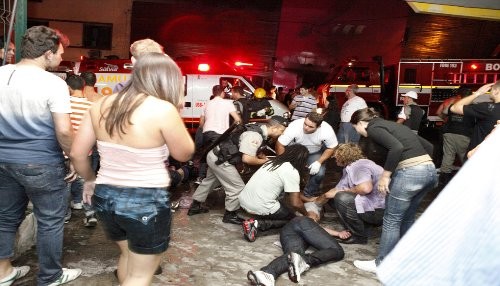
x=229, y=147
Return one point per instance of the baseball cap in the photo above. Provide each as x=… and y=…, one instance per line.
x=411, y=94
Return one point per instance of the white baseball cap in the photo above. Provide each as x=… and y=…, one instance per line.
x=411, y=94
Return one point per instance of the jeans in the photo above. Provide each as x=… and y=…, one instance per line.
x=355, y=222
x=44, y=185
x=142, y=216
x=312, y=188
x=407, y=189
x=347, y=133
x=297, y=236
x=76, y=190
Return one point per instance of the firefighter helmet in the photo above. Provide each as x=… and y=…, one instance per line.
x=259, y=93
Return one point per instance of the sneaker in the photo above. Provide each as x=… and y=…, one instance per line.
x=366, y=265
x=67, y=275
x=90, y=221
x=296, y=266
x=67, y=216
x=197, y=208
x=76, y=206
x=198, y=180
x=17, y=273
x=250, y=229
x=231, y=217
x=260, y=278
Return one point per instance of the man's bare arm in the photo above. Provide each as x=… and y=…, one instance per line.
x=64, y=130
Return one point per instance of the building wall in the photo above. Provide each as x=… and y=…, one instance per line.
x=235, y=30
x=117, y=12
x=431, y=36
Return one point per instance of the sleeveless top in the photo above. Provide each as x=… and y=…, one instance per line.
x=132, y=167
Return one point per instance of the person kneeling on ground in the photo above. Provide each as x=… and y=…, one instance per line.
x=356, y=198
x=295, y=237
x=222, y=160
x=260, y=197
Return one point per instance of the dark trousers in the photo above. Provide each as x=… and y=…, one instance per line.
x=352, y=220
x=208, y=138
x=275, y=220
x=296, y=236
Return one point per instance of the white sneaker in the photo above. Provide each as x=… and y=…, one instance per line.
x=296, y=266
x=67, y=275
x=76, y=206
x=260, y=278
x=17, y=273
x=366, y=265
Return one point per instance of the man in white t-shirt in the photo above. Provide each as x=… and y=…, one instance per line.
x=346, y=132
x=35, y=121
x=319, y=139
x=214, y=120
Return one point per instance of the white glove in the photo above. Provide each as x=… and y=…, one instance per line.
x=261, y=112
x=314, y=168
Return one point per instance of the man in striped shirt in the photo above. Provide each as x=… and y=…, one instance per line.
x=79, y=103
x=303, y=103
x=79, y=106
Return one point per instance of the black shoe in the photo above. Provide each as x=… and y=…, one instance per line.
x=232, y=217
x=354, y=240
x=197, y=208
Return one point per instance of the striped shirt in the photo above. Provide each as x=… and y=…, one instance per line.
x=304, y=105
x=79, y=106
x=456, y=241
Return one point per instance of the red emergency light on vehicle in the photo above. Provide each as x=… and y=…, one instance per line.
x=203, y=67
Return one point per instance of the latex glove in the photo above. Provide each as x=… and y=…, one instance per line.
x=314, y=168
x=261, y=112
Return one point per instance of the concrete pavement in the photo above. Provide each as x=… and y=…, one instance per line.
x=203, y=251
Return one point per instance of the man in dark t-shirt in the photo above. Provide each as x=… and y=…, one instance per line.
x=485, y=114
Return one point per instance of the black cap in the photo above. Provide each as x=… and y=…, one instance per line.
x=279, y=120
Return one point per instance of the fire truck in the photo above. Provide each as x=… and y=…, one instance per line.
x=434, y=80
x=199, y=78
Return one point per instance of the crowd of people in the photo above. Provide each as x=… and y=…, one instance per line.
x=63, y=147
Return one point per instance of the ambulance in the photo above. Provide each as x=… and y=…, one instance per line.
x=199, y=78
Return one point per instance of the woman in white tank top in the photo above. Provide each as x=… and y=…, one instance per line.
x=136, y=130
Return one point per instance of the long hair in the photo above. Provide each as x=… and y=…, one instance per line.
x=154, y=74
x=295, y=154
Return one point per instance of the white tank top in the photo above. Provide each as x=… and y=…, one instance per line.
x=127, y=166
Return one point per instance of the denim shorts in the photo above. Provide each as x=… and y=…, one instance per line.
x=142, y=216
